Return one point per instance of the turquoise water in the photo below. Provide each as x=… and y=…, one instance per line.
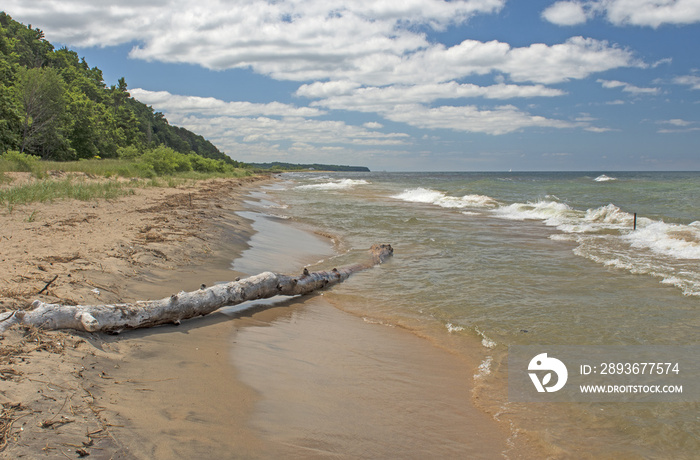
x=488, y=260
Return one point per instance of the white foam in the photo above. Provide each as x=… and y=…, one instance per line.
x=484, y=368
x=334, y=185
x=604, y=178
x=376, y=321
x=553, y=213
x=278, y=216
x=485, y=341
x=562, y=237
x=276, y=206
x=451, y=328
x=677, y=241
x=608, y=217
x=612, y=251
x=429, y=196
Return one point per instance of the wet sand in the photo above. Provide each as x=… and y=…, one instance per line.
x=331, y=385
x=298, y=379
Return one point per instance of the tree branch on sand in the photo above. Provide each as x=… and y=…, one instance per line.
x=184, y=305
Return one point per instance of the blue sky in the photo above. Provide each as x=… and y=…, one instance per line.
x=471, y=85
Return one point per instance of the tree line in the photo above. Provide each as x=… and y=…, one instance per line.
x=55, y=106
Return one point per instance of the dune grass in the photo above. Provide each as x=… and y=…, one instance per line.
x=100, y=178
x=49, y=190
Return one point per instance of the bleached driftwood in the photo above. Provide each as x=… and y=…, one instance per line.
x=184, y=305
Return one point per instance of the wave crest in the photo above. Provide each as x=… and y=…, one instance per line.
x=334, y=185
x=429, y=196
x=604, y=178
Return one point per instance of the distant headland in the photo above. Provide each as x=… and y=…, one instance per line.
x=278, y=166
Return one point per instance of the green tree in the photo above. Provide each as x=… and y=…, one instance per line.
x=28, y=45
x=10, y=120
x=84, y=127
x=40, y=92
x=77, y=75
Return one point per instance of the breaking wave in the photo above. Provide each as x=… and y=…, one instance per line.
x=673, y=240
x=429, y=196
x=604, y=178
x=605, y=234
x=334, y=185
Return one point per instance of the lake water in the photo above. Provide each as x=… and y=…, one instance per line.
x=484, y=261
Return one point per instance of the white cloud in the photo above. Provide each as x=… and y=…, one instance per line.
x=690, y=80
x=664, y=61
x=271, y=129
x=173, y=103
x=676, y=122
x=653, y=13
x=312, y=132
x=677, y=131
x=576, y=58
x=678, y=126
x=410, y=105
x=371, y=42
x=375, y=99
x=648, y=13
x=499, y=120
x=217, y=35
x=565, y=13
x=628, y=88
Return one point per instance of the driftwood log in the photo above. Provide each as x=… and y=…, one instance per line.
x=184, y=305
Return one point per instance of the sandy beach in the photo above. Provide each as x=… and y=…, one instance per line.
x=143, y=246
x=300, y=379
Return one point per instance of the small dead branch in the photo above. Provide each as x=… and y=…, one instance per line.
x=9, y=373
x=56, y=423
x=48, y=284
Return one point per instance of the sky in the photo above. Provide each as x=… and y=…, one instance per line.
x=406, y=85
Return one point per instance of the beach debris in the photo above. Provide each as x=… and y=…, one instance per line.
x=56, y=423
x=8, y=415
x=48, y=284
x=184, y=305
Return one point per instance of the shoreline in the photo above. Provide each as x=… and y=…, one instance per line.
x=192, y=397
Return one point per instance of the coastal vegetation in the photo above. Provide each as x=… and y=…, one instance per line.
x=74, y=136
x=103, y=178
